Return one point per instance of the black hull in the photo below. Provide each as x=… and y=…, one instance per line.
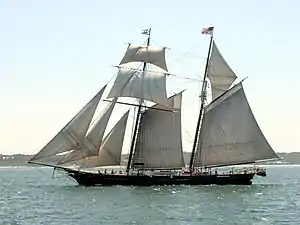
x=94, y=179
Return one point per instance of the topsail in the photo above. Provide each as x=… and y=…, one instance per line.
x=148, y=54
x=139, y=84
x=219, y=73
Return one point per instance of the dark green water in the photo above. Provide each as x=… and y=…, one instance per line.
x=30, y=196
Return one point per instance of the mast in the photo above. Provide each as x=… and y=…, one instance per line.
x=203, y=96
x=133, y=141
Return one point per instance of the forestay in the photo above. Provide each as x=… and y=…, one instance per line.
x=220, y=75
x=230, y=134
x=71, y=136
x=159, y=141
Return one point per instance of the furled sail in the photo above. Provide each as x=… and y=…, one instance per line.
x=220, y=75
x=73, y=133
x=139, y=84
x=230, y=134
x=159, y=141
x=111, y=149
x=143, y=53
x=92, y=143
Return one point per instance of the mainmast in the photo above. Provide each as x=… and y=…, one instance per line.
x=133, y=141
x=202, y=96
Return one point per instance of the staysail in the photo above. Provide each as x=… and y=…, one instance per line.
x=111, y=149
x=230, y=134
x=159, y=141
x=220, y=75
x=71, y=136
x=91, y=144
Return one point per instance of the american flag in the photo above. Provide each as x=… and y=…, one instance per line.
x=208, y=30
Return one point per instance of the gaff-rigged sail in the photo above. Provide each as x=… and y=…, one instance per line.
x=159, y=140
x=230, y=134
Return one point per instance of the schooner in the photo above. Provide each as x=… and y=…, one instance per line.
x=227, y=133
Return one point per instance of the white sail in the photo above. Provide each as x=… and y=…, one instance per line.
x=140, y=84
x=230, y=134
x=220, y=75
x=159, y=143
x=111, y=149
x=73, y=133
x=96, y=134
x=92, y=143
x=51, y=160
x=143, y=53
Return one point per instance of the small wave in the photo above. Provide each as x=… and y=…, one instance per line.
x=278, y=165
x=18, y=167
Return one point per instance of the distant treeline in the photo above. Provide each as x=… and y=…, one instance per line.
x=290, y=158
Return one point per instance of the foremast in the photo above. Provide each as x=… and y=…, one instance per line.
x=136, y=126
x=202, y=98
x=74, y=146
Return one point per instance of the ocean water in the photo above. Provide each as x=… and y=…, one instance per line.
x=31, y=196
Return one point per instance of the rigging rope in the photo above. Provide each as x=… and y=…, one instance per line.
x=181, y=52
x=189, y=136
x=48, y=174
x=185, y=78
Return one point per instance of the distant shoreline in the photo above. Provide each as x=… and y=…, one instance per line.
x=21, y=159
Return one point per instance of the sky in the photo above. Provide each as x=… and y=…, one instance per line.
x=55, y=55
